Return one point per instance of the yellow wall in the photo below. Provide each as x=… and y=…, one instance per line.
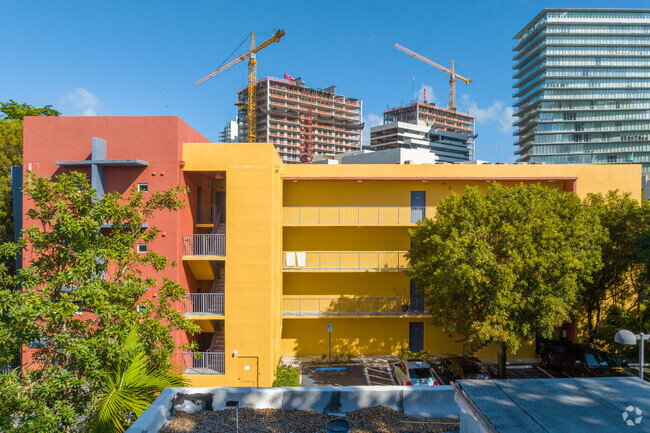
x=375, y=336
x=590, y=178
x=253, y=236
x=257, y=188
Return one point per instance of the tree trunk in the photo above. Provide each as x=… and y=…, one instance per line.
x=501, y=364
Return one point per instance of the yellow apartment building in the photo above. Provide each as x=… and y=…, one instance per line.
x=312, y=246
x=273, y=254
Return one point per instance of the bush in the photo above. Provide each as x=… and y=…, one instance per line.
x=287, y=375
x=337, y=358
x=423, y=354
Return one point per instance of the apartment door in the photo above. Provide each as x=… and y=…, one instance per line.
x=247, y=371
x=416, y=336
x=418, y=203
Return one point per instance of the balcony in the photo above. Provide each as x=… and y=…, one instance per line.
x=345, y=261
x=204, y=245
x=326, y=307
x=203, y=363
x=203, y=304
x=364, y=215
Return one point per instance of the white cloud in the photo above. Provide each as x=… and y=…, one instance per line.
x=81, y=101
x=370, y=120
x=432, y=98
x=497, y=113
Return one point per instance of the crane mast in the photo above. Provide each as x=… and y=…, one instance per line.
x=252, y=79
x=452, y=75
x=251, y=105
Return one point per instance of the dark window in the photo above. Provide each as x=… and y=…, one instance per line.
x=419, y=373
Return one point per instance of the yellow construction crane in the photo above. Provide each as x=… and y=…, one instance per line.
x=252, y=78
x=452, y=74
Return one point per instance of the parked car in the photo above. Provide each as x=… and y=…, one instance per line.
x=464, y=367
x=580, y=360
x=414, y=372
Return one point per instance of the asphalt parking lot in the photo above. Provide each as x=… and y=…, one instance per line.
x=377, y=371
x=353, y=375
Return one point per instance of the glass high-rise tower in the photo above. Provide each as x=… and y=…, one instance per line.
x=582, y=87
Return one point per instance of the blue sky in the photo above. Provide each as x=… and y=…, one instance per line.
x=120, y=58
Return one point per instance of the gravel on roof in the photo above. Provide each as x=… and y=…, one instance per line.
x=371, y=420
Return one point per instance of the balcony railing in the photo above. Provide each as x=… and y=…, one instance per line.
x=203, y=304
x=357, y=215
x=203, y=363
x=348, y=260
x=352, y=306
x=204, y=245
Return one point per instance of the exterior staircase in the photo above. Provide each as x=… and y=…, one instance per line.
x=470, y=349
x=218, y=343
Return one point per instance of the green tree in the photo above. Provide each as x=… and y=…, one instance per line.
x=505, y=265
x=81, y=258
x=11, y=154
x=620, y=281
x=130, y=387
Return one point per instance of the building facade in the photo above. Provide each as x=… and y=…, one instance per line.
x=447, y=133
x=582, y=87
x=271, y=254
x=288, y=114
x=230, y=132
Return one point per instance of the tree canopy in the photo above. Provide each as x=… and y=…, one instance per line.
x=621, y=280
x=11, y=154
x=12, y=110
x=80, y=284
x=507, y=264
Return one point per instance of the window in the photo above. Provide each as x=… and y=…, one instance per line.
x=143, y=248
x=143, y=187
x=141, y=308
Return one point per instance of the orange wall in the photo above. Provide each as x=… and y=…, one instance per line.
x=157, y=140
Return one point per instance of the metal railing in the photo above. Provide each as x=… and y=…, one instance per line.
x=203, y=363
x=357, y=215
x=348, y=260
x=9, y=366
x=203, y=304
x=352, y=306
x=204, y=245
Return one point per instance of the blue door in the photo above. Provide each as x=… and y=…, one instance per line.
x=417, y=298
x=418, y=203
x=416, y=336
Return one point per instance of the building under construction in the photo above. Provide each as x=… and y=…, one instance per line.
x=300, y=121
x=446, y=132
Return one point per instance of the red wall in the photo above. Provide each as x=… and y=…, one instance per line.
x=157, y=140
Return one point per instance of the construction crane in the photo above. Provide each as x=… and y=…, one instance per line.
x=252, y=78
x=452, y=74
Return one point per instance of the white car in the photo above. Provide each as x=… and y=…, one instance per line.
x=414, y=372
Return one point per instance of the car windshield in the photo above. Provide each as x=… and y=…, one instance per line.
x=419, y=373
x=473, y=368
x=600, y=360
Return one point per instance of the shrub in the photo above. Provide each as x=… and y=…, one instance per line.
x=423, y=354
x=337, y=358
x=287, y=375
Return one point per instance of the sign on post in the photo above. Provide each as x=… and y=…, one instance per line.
x=329, y=335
